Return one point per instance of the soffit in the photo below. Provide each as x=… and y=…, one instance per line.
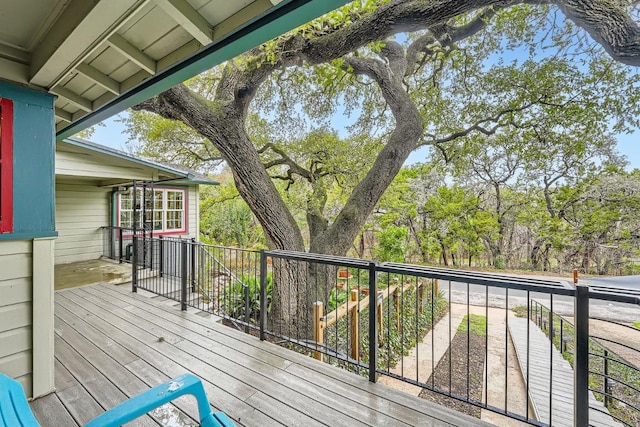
x=93, y=54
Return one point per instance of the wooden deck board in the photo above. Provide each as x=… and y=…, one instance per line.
x=405, y=413
x=111, y=344
x=377, y=397
x=539, y=373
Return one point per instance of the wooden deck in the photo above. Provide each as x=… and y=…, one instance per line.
x=112, y=344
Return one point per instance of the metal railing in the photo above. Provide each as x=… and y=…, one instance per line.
x=454, y=334
x=612, y=379
x=219, y=280
x=117, y=243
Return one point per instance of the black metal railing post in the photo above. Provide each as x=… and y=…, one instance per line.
x=183, y=276
x=607, y=399
x=134, y=264
x=160, y=255
x=373, y=323
x=263, y=294
x=121, y=245
x=247, y=306
x=193, y=264
x=581, y=358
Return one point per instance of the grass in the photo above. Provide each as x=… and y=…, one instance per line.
x=477, y=324
x=636, y=325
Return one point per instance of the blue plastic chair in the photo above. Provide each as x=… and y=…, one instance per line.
x=15, y=411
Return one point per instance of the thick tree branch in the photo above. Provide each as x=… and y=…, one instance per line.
x=609, y=24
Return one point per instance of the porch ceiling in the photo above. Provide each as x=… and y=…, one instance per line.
x=102, y=56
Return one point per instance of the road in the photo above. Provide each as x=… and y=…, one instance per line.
x=563, y=305
x=631, y=282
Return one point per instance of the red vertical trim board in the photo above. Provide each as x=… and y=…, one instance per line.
x=6, y=162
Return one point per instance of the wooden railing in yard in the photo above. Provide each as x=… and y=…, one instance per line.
x=354, y=305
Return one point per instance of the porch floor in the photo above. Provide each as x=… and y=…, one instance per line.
x=91, y=272
x=112, y=344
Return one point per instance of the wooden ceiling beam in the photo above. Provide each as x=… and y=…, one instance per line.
x=99, y=78
x=188, y=18
x=132, y=53
x=74, y=98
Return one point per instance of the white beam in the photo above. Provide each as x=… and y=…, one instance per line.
x=43, y=55
x=81, y=28
x=15, y=54
x=256, y=8
x=14, y=71
x=134, y=54
x=275, y=2
x=64, y=115
x=74, y=98
x=98, y=77
x=43, y=315
x=188, y=18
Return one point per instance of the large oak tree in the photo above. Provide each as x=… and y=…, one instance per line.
x=398, y=53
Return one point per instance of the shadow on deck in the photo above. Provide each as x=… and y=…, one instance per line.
x=112, y=344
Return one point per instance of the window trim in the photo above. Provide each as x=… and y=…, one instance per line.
x=185, y=211
x=6, y=172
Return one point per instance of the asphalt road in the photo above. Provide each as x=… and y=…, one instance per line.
x=477, y=295
x=631, y=282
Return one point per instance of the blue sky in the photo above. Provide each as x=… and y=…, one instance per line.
x=113, y=135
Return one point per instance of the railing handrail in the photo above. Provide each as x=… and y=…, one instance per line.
x=234, y=302
x=559, y=287
x=224, y=267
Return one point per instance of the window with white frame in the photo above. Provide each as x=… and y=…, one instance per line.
x=165, y=209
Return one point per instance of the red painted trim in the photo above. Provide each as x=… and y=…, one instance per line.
x=6, y=159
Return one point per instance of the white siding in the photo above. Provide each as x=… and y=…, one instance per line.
x=16, y=311
x=193, y=217
x=99, y=166
x=81, y=209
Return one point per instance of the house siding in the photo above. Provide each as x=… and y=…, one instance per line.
x=81, y=209
x=16, y=311
x=102, y=166
x=26, y=270
x=192, y=215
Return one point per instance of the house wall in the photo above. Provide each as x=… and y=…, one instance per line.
x=81, y=209
x=16, y=310
x=26, y=262
x=193, y=214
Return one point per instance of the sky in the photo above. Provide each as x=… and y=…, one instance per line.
x=113, y=135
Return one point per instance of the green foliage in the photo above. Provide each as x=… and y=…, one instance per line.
x=520, y=117
x=475, y=323
x=226, y=219
x=392, y=243
x=248, y=286
x=636, y=325
x=337, y=297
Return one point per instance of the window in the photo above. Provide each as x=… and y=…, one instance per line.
x=165, y=210
x=6, y=166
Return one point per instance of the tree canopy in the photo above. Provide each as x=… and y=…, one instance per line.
x=491, y=86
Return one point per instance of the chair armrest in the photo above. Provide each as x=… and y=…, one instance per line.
x=14, y=408
x=158, y=396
